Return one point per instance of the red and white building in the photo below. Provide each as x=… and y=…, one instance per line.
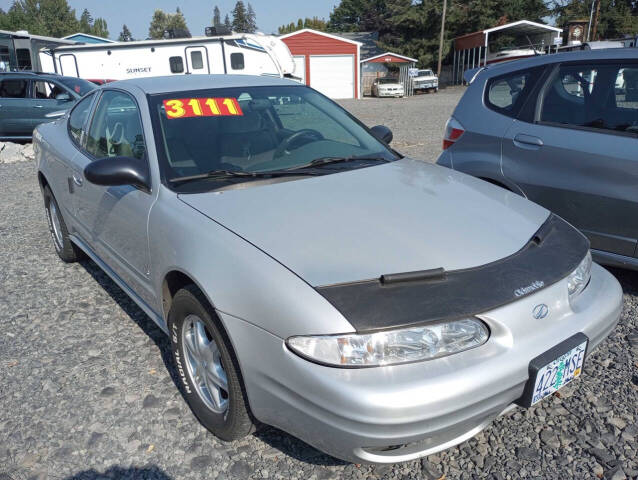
x=325, y=62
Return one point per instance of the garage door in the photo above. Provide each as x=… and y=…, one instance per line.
x=300, y=67
x=333, y=75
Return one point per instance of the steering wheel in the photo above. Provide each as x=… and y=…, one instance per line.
x=288, y=143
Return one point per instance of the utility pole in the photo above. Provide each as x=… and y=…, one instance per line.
x=438, y=70
x=595, y=29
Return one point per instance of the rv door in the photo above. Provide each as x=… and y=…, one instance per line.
x=68, y=65
x=197, y=60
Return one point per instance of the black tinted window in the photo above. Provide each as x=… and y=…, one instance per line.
x=177, y=64
x=13, y=88
x=237, y=61
x=77, y=118
x=593, y=96
x=116, y=128
x=506, y=94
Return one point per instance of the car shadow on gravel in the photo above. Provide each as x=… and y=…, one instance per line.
x=137, y=315
x=120, y=473
x=277, y=439
x=628, y=279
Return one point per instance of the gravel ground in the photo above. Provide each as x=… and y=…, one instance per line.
x=88, y=391
x=417, y=122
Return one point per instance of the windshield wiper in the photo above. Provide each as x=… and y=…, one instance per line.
x=317, y=162
x=224, y=174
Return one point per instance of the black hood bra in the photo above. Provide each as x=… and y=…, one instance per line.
x=417, y=298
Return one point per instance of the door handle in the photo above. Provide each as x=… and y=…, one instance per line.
x=77, y=179
x=527, y=141
x=38, y=106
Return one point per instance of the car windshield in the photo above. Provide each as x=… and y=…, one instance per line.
x=235, y=132
x=426, y=73
x=388, y=80
x=78, y=85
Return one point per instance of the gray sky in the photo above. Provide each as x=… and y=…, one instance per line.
x=136, y=14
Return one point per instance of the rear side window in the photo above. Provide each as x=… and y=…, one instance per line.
x=77, y=118
x=237, y=61
x=13, y=88
x=601, y=97
x=177, y=64
x=507, y=94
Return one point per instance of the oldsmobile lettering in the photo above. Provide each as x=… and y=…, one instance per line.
x=519, y=292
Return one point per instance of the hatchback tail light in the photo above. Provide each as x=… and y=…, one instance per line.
x=453, y=131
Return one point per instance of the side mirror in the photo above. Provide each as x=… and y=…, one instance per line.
x=383, y=133
x=63, y=97
x=116, y=171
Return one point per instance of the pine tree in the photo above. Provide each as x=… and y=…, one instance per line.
x=227, y=23
x=217, y=16
x=158, y=25
x=100, y=28
x=162, y=21
x=240, y=17
x=125, y=35
x=251, y=19
x=86, y=22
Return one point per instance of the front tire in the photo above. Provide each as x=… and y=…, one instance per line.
x=64, y=247
x=207, y=366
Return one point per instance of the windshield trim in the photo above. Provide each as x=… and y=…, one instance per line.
x=159, y=137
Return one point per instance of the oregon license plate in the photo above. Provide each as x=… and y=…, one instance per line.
x=555, y=369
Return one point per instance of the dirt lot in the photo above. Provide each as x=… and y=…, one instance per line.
x=88, y=390
x=417, y=122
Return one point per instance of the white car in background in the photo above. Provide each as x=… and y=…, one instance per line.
x=387, y=87
x=426, y=81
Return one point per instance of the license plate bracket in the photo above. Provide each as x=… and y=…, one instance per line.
x=546, y=359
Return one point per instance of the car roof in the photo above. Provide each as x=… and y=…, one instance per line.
x=575, y=56
x=33, y=74
x=175, y=83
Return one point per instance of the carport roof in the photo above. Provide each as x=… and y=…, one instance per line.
x=522, y=27
x=390, y=54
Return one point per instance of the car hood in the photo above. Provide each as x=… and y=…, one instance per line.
x=391, y=85
x=357, y=225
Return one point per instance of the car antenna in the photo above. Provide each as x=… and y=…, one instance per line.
x=532, y=45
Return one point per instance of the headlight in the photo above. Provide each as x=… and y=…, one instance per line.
x=579, y=278
x=393, y=346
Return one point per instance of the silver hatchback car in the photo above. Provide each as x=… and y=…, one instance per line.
x=309, y=277
x=561, y=130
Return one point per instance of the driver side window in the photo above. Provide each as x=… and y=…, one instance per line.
x=116, y=129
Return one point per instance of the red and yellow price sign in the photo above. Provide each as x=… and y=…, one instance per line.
x=201, y=107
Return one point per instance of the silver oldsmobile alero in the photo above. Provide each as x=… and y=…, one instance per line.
x=309, y=276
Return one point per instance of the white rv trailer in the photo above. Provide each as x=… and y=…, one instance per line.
x=253, y=54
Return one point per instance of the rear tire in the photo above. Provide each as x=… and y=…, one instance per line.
x=64, y=247
x=207, y=366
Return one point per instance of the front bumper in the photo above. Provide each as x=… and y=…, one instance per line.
x=399, y=413
x=395, y=94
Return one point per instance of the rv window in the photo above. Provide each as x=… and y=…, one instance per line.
x=237, y=61
x=177, y=64
x=23, y=56
x=197, y=61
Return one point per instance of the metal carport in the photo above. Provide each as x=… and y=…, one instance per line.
x=472, y=50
